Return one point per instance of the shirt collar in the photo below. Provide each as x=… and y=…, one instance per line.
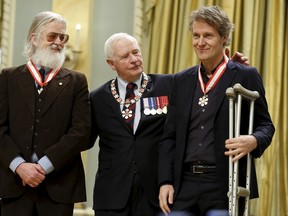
x=203, y=71
x=39, y=66
x=123, y=83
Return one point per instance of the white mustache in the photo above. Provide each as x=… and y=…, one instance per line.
x=55, y=46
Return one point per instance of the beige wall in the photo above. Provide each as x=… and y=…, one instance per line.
x=78, y=12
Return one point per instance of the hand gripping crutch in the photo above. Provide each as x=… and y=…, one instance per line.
x=235, y=95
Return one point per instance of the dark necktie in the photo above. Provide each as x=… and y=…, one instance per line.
x=42, y=73
x=129, y=108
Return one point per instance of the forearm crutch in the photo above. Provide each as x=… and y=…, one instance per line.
x=235, y=96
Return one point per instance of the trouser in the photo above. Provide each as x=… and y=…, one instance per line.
x=138, y=204
x=35, y=202
x=199, y=195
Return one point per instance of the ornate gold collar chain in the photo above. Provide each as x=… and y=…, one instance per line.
x=128, y=102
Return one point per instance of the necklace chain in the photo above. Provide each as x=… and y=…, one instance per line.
x=128, y=102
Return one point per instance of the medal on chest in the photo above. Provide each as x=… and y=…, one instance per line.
x=155, y=105
x=36, y=75
x=203, y=100
x=127, y=112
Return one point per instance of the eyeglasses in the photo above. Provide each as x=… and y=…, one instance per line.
x=52, y=36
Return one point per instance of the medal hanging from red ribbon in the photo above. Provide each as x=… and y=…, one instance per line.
x=203, y=101
x=37, y=76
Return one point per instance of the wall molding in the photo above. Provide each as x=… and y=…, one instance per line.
x=7, y=34
x=138, y=21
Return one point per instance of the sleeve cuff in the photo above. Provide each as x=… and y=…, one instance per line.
x=46, y=164
x=16, y=162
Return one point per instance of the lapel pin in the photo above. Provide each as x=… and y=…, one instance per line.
x=60, y=83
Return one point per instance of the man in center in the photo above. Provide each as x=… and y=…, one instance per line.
x=129, y=123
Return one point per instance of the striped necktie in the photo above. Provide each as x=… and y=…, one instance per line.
x=129, y=108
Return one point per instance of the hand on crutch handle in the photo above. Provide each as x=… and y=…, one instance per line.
x=235, y=95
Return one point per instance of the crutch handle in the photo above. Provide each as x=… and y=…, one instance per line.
x=230, y=93
x=251, y=95
x=243, y=192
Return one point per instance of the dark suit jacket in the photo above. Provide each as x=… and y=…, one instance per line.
x=122, y=153
x=174, y=140
x=63, y=131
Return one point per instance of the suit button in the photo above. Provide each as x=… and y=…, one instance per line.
x=32, y=127
x=35, y=133
x=35, y=146
x=37, y=120
x=28, y=146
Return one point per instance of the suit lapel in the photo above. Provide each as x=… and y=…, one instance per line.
x=187, y=90
x=224, y=83
x=149, y=86
x=55, y=87
x=26, y=81
x=146, y=93
x=110, y=100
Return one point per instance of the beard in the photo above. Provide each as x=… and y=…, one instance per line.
x=47, y=57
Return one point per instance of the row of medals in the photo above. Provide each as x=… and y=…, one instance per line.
x=151, y=107
x=153, y=111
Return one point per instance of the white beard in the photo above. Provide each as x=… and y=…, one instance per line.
x=48, y=58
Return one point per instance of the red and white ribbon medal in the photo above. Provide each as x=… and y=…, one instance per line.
x=203, y=101
x=36, y=75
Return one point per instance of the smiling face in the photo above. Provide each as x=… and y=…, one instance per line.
x=208, y=43
x=127, y=59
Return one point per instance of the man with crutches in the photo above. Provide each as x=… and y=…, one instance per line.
x=195, y=148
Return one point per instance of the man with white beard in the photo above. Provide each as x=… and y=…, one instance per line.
x=44, y=126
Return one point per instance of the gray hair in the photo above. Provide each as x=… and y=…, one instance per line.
x=216, y=18
x=110, y=42
x=37, y=27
